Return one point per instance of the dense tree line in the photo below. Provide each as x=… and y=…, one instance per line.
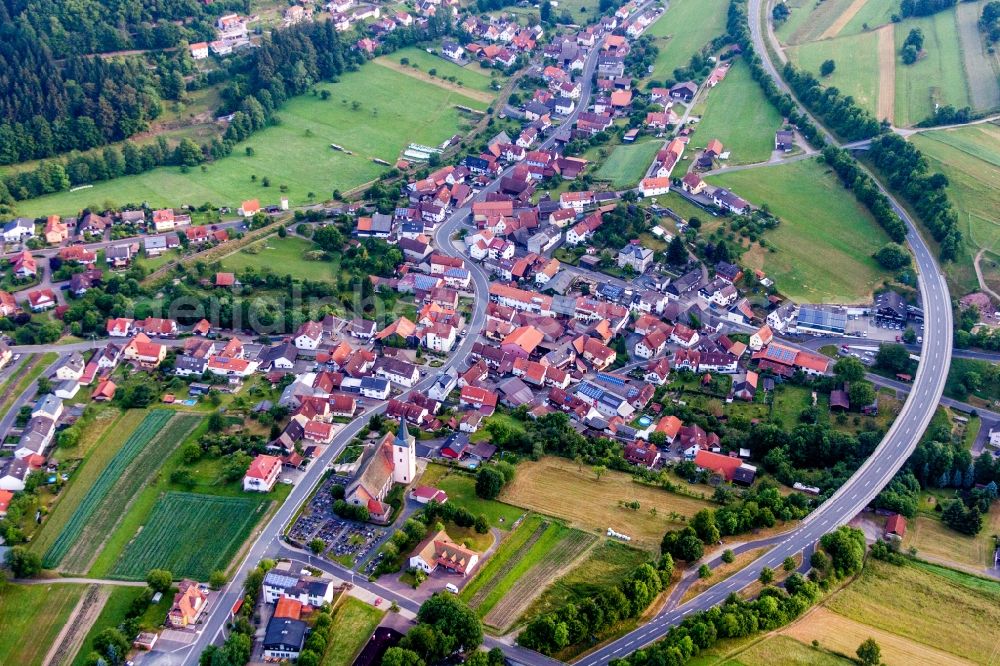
x=907, y=172
x=949, y=115
x=989, y=21
x=838, y=111
x=924, y=7
x=574, y=623
x=866, y=191
x=842, y=555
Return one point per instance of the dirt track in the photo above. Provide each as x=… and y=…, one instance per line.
x=843, y=19
x=886, y=105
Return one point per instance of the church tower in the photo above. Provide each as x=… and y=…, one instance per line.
x=404, y=455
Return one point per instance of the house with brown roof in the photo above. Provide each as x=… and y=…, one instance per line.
x=439, y=550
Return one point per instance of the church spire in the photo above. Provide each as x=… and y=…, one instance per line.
x=402, y=435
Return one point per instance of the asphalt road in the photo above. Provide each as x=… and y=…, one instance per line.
x=875, y=473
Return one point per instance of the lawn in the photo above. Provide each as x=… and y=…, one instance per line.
x=560, y=488
x=32, y=617
x=856, y=57
x=955, y=614
x=213, y=529
x=296, y=152
x=970, y=158
x=282, y=256
x=782, y=651
x=113, y=614
x=605, y=566
x=354, y=622
x=934, y=540
x=628, y=163
x=472, y=76
x=936, y=78
x=686, y=27
x=738, y=115
x=483, y=435
x=95, y=517
x=461, y=490
x=818, y=219
x=873, y=14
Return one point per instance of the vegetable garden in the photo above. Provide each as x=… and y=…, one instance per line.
x=104, y=504
x=213, y=529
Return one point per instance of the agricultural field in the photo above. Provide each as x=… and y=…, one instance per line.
x=353, y=624
x=420, y=62
x=283, y=256
x=856, y=56
x=38, y=611
x=941, y=609
x=627, y=164
x=738, y=115
x=530, y=558
x=363, y=115
x=214, y=528
x=777, y=650
x=112, y=614
x=818, y=219
x=605, y=566
x=937, y=542
x=970, y=158
x=936, y=78
x=461, y=490
x=686, y=27
x=125, y=475
x=810, y=21
x=560, y=488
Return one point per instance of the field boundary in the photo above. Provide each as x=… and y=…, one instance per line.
x=885, y=105
x=845, y=17
x=420, y=75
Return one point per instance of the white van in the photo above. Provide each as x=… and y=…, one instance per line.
x=451, y=587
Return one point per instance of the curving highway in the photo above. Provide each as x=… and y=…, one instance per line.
x=877, y=471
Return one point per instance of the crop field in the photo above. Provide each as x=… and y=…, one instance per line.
x=953, y=613
x=818, y=219
x=558, y=487
x=144, y=432
x=936, y=78
x=354, y=621
x=857, y=72
x=461, y=490
x=627, y=164
x=840, y=634
x=810, y=21
x=683, y=30
x=213, y=529
x=970, y=158
x=521, y=568
x=556, y=552
x=873, y=14
x=979, y=61
x=605, y=566
x=738, y=115
x=31, y=617
x=105, y=448
x=101, y=509
x=472, y=76
x=363, y=115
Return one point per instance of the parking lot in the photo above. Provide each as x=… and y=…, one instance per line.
x=347, y=541
x=869, y=328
